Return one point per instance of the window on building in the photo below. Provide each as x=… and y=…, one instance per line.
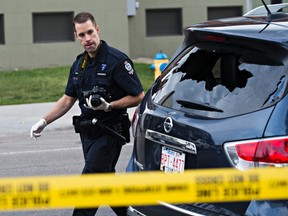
x=164, y=22
x=52, y=27
x=224, y=12
x=2, y=38
x=276, y=1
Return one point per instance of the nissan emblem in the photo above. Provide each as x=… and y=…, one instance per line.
x=168, y=124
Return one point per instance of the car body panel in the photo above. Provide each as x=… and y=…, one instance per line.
x=278, y=123
x=213, y=134
x=185, y=114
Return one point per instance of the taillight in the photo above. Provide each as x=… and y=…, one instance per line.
x=214, y=38
x=256, y=153
x=135, y=119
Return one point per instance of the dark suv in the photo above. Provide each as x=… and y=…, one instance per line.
x=220, y=102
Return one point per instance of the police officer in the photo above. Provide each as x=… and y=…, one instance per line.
x=105, y=83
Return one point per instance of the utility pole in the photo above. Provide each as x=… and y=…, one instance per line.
x=248, y=5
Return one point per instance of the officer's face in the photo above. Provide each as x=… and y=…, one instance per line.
x=88, y=35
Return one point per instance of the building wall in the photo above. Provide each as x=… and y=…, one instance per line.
x=194, y=11
x=128, y=33
x=20, y=52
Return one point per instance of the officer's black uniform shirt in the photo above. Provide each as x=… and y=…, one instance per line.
x=110, y=69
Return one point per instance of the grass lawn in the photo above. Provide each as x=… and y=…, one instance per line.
x=48, y=85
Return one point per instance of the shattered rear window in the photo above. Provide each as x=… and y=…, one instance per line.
x=221, y=82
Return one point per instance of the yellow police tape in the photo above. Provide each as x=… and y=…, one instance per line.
x=213, y=185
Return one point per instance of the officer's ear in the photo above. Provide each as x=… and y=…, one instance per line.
x=77, y=37
x=97, y=29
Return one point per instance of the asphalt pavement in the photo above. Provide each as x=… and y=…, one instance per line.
x=18, y=119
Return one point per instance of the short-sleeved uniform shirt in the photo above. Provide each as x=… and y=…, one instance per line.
x=112, y=70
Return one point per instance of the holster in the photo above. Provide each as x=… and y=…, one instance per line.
x=126, y=124
x=76, y=120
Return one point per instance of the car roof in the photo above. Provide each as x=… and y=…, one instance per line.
x=246, y=27
x=273, y=27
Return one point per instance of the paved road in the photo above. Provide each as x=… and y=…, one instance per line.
x=57, y=152
x=19, y=118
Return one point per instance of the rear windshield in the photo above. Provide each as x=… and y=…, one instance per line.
x=220, y=82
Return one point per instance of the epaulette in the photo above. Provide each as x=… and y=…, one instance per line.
x=80, y=55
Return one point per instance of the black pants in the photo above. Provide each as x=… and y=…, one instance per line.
x=101, y=155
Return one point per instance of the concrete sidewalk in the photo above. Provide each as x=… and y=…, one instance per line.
x=17, y=119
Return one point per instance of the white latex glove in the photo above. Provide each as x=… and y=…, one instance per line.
x=103, y=106
x=37, y=128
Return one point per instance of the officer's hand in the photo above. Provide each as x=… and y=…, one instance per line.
x=103, y=106
x=37, y=128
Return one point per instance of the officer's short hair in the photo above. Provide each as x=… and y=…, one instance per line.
x=82, y=18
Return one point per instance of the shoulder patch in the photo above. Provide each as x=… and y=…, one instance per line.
x=129, y=67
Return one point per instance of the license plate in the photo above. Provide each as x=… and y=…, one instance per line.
x=172, y=161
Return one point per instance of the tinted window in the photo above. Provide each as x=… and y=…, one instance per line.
x=2, y=38
x=164, y=22
x=224, y=12
x=220, y=82
x=52, y=27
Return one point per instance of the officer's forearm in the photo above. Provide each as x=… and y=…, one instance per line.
x=61, y=107
x=127, y=101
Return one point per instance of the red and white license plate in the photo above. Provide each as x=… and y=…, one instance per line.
x=172, y=161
